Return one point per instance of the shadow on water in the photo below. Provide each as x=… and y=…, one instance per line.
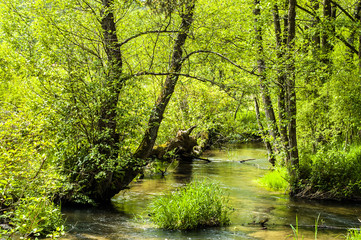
x=259, y=214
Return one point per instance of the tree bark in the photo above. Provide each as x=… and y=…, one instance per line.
x=266, y=141
x=281, y=79
x=107, y=124
x=175, y=66
x=316, y=38
x=261, y=65
x=329, y=13
x=292, y=108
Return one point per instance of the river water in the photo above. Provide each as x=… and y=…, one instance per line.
x=126, y=218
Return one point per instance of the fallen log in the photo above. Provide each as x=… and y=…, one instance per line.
x=182, y=146
x=246, y=160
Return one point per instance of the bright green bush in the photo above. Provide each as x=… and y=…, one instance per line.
x=199, y=204
x=276, y=179
x=36, y=216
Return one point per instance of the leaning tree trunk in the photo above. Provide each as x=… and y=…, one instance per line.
x=175, y=67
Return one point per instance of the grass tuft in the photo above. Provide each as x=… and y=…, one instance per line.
x=276, y=179
x=199, y=204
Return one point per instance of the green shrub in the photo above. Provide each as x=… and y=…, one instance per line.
x=36, y=216
x=334, y=174
x=276, y=179
x=28, y=177
x=199, y=204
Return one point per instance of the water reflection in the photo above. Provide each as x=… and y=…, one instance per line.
x=253, y=205
x=183, y=173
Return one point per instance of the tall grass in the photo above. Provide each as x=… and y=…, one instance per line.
x=199, y=204
x=276, y=179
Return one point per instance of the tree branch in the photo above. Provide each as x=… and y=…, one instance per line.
x=305, y=10
x=144, y=33
x=342, y=39
x=220, y=85
x=221, y=56
x=344, y=11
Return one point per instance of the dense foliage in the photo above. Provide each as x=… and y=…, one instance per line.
x=197, y=205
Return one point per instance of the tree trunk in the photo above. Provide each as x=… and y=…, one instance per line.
x=358, y=18
x=266, y=141
x=266, y=98
x=281, y=78
x=109, y=139
x=328, y=13
x=156, y=116
x=98, y=180
x=292, y=108
x=316, y=38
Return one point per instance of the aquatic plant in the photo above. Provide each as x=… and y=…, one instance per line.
x=276, y=179
x=199, y=204
x=295, y=230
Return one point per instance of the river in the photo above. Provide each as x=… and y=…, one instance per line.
x=252, y=204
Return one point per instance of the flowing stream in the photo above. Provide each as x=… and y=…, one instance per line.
x=252, y=203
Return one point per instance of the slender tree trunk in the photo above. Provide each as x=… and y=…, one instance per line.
x=267, y=102
x=266, y=141
x=156, y=116
x=329, y=13
x=358, y=18
x=281, y=78
x=292, y=108
x=316, y=38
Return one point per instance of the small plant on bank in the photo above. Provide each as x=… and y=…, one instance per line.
x=199, y=204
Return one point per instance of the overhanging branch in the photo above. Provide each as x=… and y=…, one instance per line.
x=221, y=56
x=222, y=86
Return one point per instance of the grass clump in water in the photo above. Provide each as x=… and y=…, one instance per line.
x=199, y=204
x=276, y=179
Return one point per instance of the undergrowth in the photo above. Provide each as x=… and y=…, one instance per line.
x=331, y=174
